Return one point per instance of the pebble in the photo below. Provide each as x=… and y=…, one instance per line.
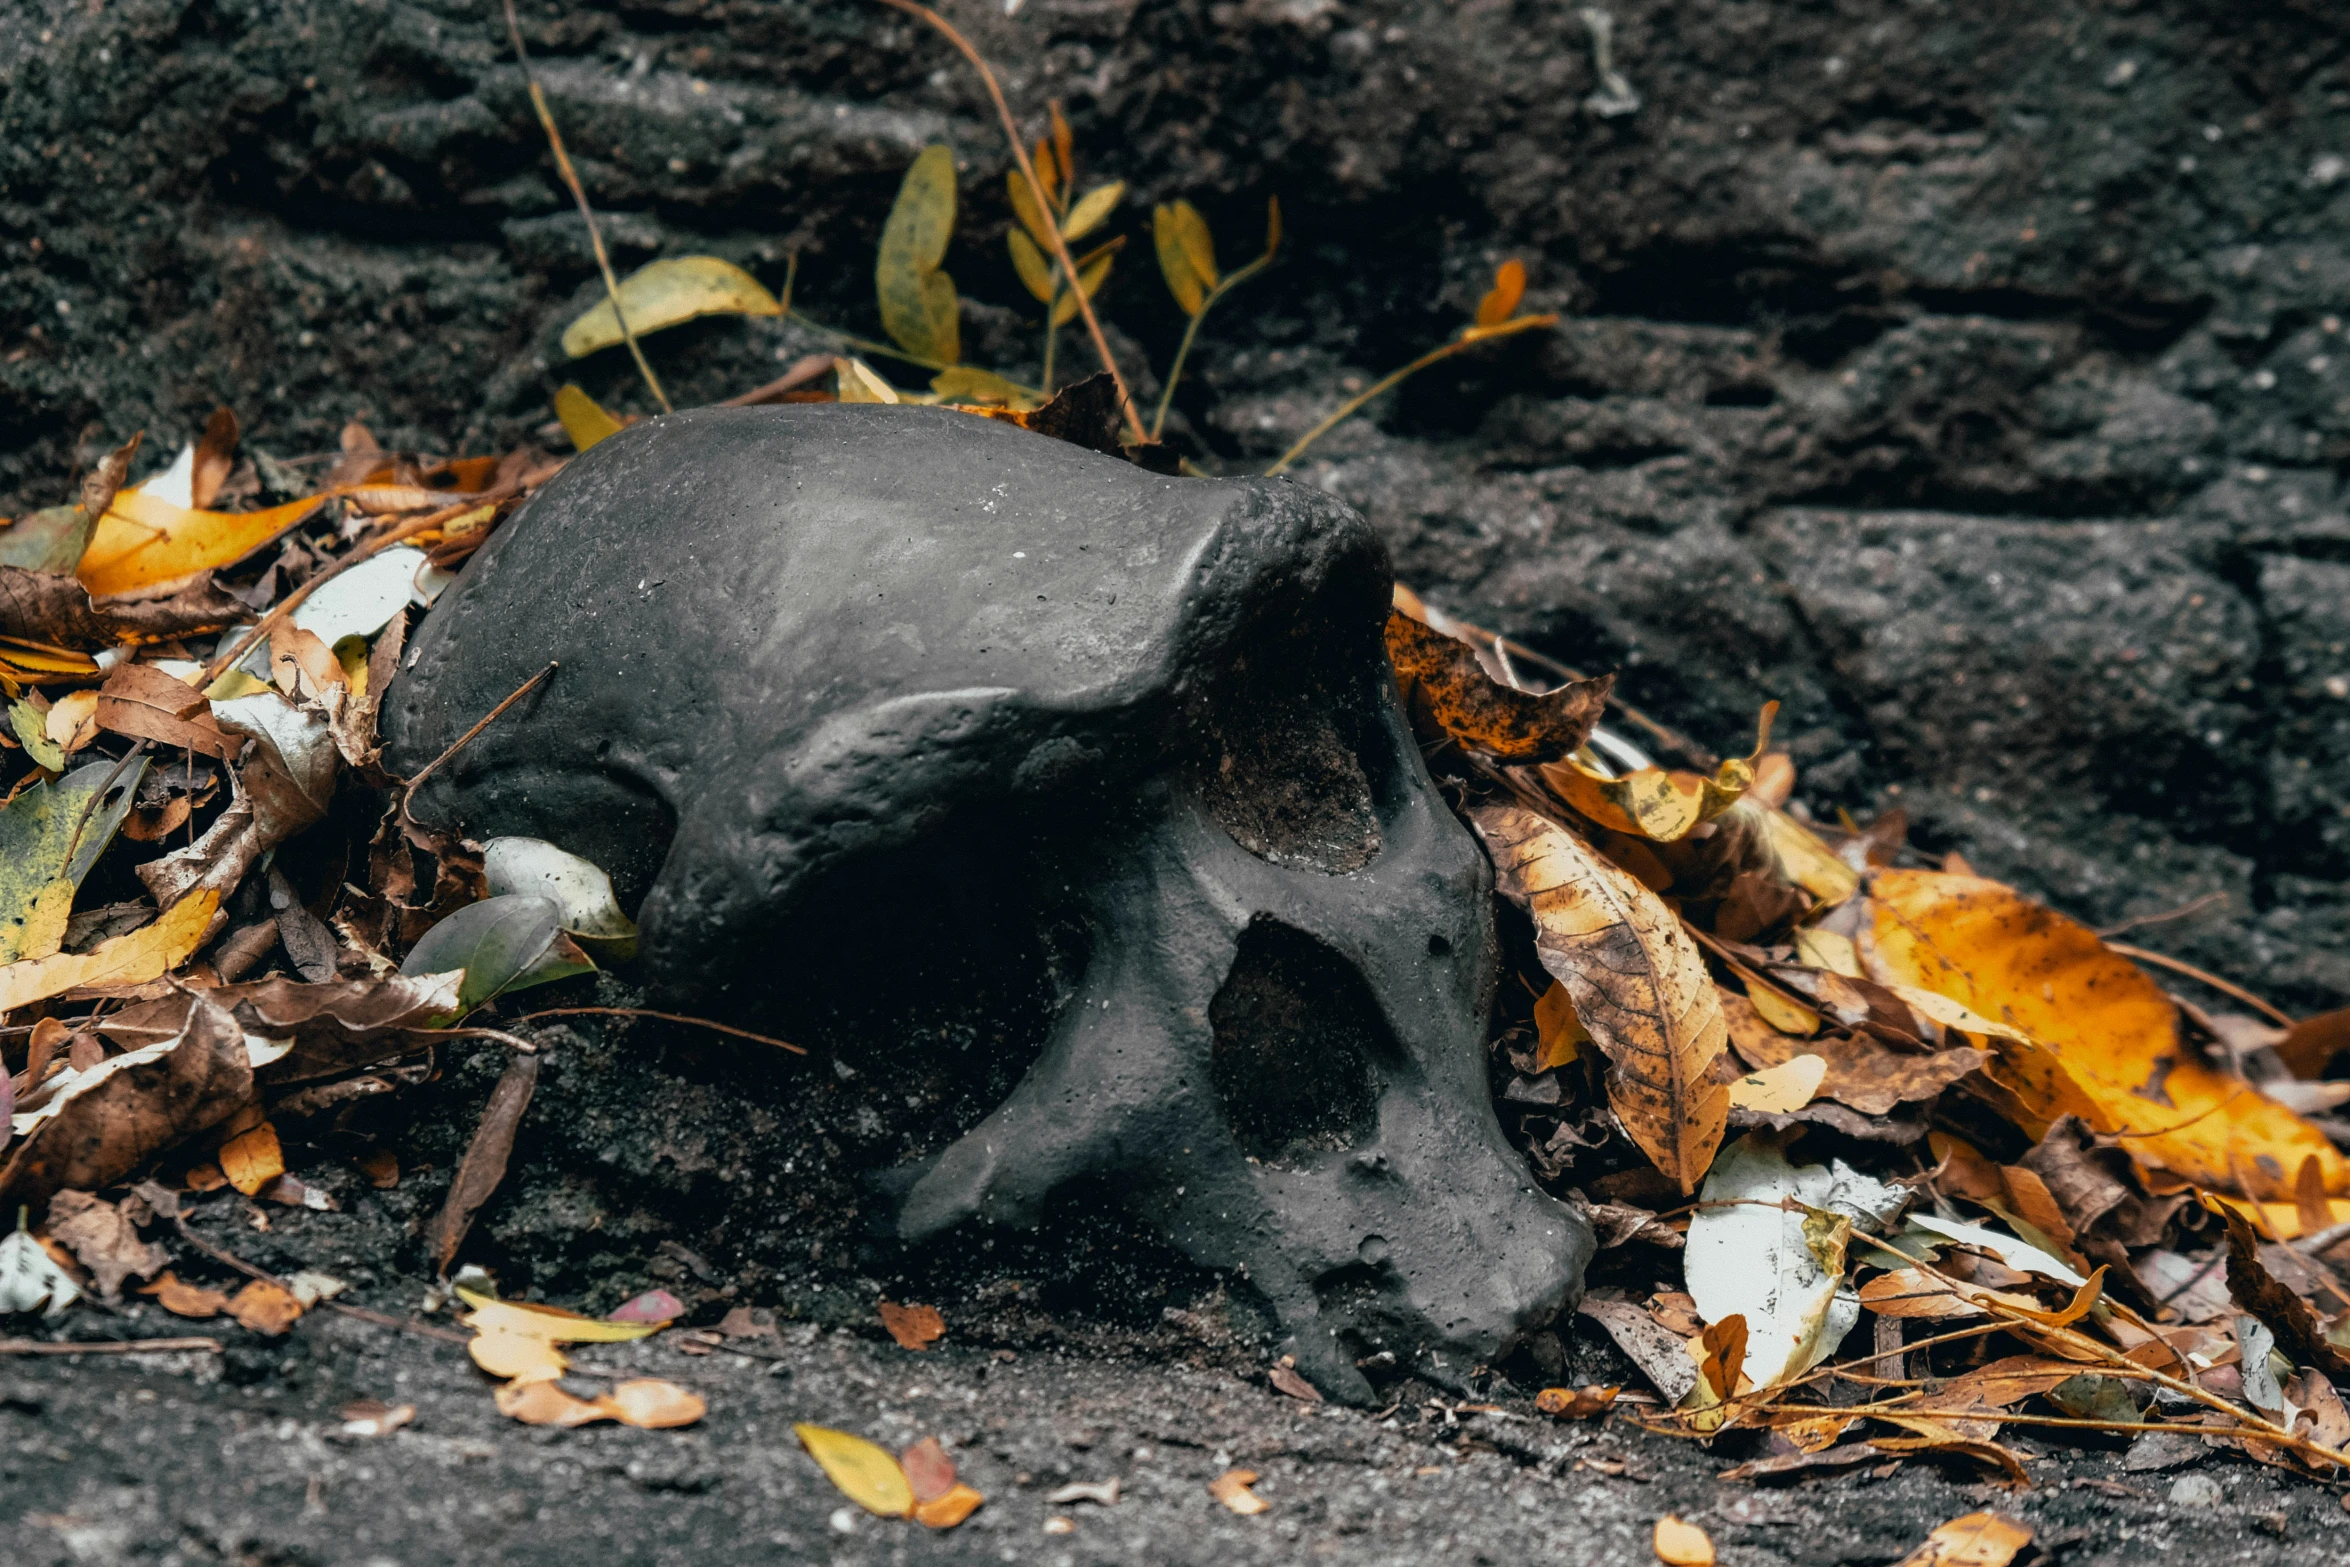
x=2196, y=1491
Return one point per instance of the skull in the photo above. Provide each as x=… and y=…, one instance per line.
x=795, y=641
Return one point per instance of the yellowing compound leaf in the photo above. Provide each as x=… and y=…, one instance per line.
x=666, y=292
x=149, y=952
x=1501, y=301
x=866, y=1474
x=1091, y=209
x=1653, y=803
x=1187, y=253
x=1781, y=1089
x=918, y=304
x=144, y=540
x=1679, y=1544
x=1441, y=676
x=584, y=419
x=2104, y=1039
x=1976, y=1540
x=1092, y=271
x=1637, y=981
x=1036, y=272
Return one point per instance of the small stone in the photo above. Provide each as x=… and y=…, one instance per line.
x=844, y=1520
x=2196, y=1491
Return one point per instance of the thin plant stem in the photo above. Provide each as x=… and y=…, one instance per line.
x=538, y=101
x=1191, y=330
x=867, y=345
x=1389, y=382
x=1093, y=325
x=2277, y=1015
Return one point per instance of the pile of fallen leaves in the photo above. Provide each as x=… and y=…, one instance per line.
x=1832, y=1084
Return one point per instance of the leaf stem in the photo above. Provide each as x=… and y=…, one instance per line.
x=1389, y=382
x=538, y=101
x=1191, y=330
x=1093, y=325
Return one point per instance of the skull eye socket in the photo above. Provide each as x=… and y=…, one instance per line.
x=1299, y=1044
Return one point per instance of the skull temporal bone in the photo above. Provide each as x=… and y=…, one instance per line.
x=795, y=639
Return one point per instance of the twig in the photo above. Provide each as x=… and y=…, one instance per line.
x=2195, y=906
x=466, y=739
x=2159, y=960
x=807, y=368
x=1390, y=381
x=538, y=101
x=666, y=1017
x=230, y=1260
x=112, y=1346
x=1052, y=229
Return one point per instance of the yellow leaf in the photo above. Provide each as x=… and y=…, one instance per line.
x=1781, y=1014
x=550, y=1323
x=1199, y=246
x=1825, y=949
x=918, y=305
x=1048, y=173
x=517, y=1356
x=73, y=720
x=667, y=292
x=1681, y=1544
x=144, y=539
x=2098, y=1038
x=1501, y=301
x=866, y=1474
x=1091, y=209
x=1036, y=273
x=1232, y=1489
x=1560, y=1034
x=1638, y=983
x=967, y=384
x=1024, y=206
x=1654, y=803
x=1183, y=281
x=1090, y=274
x=584, y=419
x=859, y=383
x=150, y=952
x=1781, y=1089
x=253, y=1158
x=1976, y=1540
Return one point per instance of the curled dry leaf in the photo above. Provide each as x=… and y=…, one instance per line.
x=371, y=1417
x=2299, y=1332
x=104, y=1240
x=1441, y=674
x=1680, y=1544
x=1856, y=1069
x=1577, y=1403
x=1976, y=1540
x=1285, y=1378
x=1908, y=1293
x=865, y=1474
x=541, y=1402
x=1638, y=983
x=914, y=1327
x=2103, y=1038
x=265, y=1306
x=182, y=1299
x=1232, y=1489
x=1651, y=802
x=944, y=1512
x=333, y=1026
x=652, y=1405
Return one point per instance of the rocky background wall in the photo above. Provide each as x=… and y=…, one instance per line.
x=1969, y=376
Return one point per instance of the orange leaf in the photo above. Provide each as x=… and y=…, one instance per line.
x=944, y=1512
x=1579, y=1403
x=2103, y=1037
x=144, y=539
x=265, y=1307
x=252, y=1159
x=542, y=1403
x=914, y=1327
x=1443, y=677
x=1680, y=1544
x=185, y=1300
x=1501, y=301
x=652, y=1404
x=1976, y=1540
x=1232, y=1489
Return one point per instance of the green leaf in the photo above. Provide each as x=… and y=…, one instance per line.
x=1089, y=212
x=501, y=944
x=32, y=727
x=582, y=893
x=1175, y=262
x=918, y=304
x=48, y=540
x=50, y=836
x=666, y=293
x=1036, y=273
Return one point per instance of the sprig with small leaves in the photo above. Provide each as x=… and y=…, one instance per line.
x=1055, y=160
x=1187, y=260
x=1497, y=316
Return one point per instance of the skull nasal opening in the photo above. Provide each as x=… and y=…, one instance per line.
x=1299, y=1047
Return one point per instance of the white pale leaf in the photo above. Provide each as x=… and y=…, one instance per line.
x=2019, y=1255
x=177, y=483
x=30, y=1278
x=582, y=893
x=363, y=600
x=1749, y=1256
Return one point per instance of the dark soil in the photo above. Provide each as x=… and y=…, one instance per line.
x=1970, y=378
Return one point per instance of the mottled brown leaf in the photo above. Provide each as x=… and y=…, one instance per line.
x=1442, y=674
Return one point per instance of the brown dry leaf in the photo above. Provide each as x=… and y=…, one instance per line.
x=929, y=1471
x=1936, y=1437
x=2323, y=1420
x=1859, y=1071
x=252, y=1159
x=1681, y=1544
x=104, y=1240
x=1285, y=1378
x=944, y=1512
x=381, y=1166
x=334, y=1025
x=369, y=1417
x=1724, y=1343
x=1907, y=1293
x=1638, y=983
x=2004, y=1383
x=109, y=1121
x=1579, y=1403
x=185, y=1300
x=2298, y=1331
x=2310, y=1046
x=265, y=1306
x=484, y=1164
x=2104, y=1038
x=1559, y=1034
x=1441, y=674
x=1976, y=1540
x=652, y=1405
x=54, y=608
x=144, y=703
x=914, y=1327
x=542, y=1403
x=1232, y=1489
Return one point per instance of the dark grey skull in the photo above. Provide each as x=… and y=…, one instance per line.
x=793, y=640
